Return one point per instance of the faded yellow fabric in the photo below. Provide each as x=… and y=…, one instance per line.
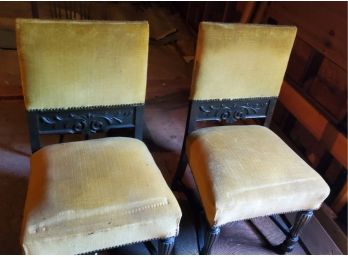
x=244, y=172
x=66, y=64
x=90, y=195
x=240, y=60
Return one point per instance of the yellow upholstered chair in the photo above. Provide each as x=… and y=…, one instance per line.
x=89, y=77
x=244, y=171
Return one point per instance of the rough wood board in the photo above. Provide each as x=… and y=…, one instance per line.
x=298, y=62
x=321, y=24
x=7, y=39
x=326, y=219
x=302, y=110
x=7, y=23
x=315, y=122
x=9, y=74
x=329, y=88
x=341, y=199
x=15, y=9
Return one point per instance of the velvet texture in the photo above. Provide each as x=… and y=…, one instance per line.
x=244, y=172
x=95, y=194
x=240, y=61
x=65, y=64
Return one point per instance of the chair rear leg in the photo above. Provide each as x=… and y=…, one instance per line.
x=301, y=220
x=211, y=236
x=165, y=246
x=180, y=171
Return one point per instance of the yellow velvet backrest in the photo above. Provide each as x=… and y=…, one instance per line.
x=240, y=60
x=71, y=64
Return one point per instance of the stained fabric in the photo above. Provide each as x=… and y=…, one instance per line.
x=89, y=195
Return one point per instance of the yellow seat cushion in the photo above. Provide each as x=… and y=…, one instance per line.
x=240, y=60
x=244, y=172
x=96, y=194
x=66, y=64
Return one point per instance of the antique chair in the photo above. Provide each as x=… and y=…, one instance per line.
x=84, y=196
x=244, y=171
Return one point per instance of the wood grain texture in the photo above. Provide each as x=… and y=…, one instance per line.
x=341, y=199
x=321, y=24
x=9, y=74
x=313, y=121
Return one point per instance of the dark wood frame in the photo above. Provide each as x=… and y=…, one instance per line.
x=88, y=121
x=85, y=121
x=227, y=112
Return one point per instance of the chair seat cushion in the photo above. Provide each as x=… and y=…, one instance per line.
x=244, y=172
x=91, y=195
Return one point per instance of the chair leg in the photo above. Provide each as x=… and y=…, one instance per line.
x=210, y=238
x=165, y=246
x=301, y=220
x=180, y=171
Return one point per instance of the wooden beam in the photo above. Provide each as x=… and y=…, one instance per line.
x=326, y=218
x=314, y=122
x=339, y=149
x=304, y=112
x=323, y=25
x=247, y=12
x=226, y=9
x=341, y=199
x=260, y=13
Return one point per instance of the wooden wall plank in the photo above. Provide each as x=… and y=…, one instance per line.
x=314, y=122
x=339, y=149
x=341, y=199
x=329, y=89
x=303, y=111
x=248, y=12
x=321, y=24
x=10, y=84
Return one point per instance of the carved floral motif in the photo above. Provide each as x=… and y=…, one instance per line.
x=230, y=111
x=84, y=122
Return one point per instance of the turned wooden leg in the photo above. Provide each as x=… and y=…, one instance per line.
x=210, y=238
x=301, y=220
x=165, y=246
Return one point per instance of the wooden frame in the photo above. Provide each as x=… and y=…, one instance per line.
x=85, y=121
x=226, y=112
x=88, y=121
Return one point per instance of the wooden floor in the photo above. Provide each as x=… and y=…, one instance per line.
x=165, y=114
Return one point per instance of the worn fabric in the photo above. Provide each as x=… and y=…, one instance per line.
x=90, y=195
x=244, y=172
x=240, y=60
x=65, y=64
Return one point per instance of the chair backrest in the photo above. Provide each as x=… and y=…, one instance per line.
x=82, y=76
x=238, y=71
